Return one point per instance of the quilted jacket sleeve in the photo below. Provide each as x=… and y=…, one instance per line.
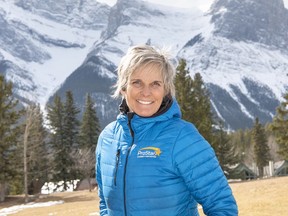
x=102, y=206
x=195, y=160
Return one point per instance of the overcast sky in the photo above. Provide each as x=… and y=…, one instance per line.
x=203, y=5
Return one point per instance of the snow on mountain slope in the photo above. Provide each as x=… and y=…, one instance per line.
x=245, y=76
x=151, y=23
x=65, y=48
x=236, y=46
x=244, y=61
x=229, y=62
x=130, y=23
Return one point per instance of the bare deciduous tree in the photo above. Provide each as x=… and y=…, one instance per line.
x=85, y=163
x=34, y=151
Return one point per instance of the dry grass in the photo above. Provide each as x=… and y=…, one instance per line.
x=254, y=198
x=264, y=197
x=78, y=203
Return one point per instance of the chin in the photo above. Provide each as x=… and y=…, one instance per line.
x=145, y=114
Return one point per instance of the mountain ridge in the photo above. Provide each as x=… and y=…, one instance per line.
x=245, y=72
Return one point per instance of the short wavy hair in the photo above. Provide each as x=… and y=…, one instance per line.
x=141, y=55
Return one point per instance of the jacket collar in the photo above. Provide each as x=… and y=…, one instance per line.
x=168, y=110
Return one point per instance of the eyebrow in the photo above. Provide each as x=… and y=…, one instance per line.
x=152, y=81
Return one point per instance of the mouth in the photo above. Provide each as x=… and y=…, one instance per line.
x=144, y=102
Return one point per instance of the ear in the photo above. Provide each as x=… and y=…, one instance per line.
x=123, y=92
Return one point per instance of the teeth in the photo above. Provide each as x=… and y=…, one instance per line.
x=145, y=102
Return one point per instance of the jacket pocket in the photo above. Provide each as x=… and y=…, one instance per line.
x=116, y=166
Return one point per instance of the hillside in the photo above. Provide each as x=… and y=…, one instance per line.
x=239, y=48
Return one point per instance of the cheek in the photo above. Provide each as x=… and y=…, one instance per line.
x=130, y=91
x=127, y=94
x=160, y=93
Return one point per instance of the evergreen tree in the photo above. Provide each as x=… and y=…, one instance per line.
x=89, y=133
x=261, y=148
x=9, y=132
x=194, y=100
x=224, y=150
x=280, y=127
x=90, y=126
x=71, y=131
x=55, y=116
x=65, y=129
x=71, y=122
x=183, y=86
x=202, y=113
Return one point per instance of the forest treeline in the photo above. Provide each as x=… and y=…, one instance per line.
x=34, y=149
x=60, y=146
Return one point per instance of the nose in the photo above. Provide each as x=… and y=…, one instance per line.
x=146, y=91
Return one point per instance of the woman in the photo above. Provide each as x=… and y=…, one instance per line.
x=150, y=162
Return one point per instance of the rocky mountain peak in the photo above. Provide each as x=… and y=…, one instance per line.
x=126, y=12
x=258, y=21
x=238, y=48
x=76, y=13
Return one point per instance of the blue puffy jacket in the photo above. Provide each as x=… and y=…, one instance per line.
x=159, y=166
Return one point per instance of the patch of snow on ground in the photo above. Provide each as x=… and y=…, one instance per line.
x=94, y=213
x=17, y=208
x=51, y=187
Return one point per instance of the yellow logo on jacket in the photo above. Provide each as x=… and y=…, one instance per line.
x=149, y=152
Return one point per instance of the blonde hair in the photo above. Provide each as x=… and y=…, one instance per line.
x=141, y=55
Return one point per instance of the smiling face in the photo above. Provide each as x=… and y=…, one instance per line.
x=145, y=90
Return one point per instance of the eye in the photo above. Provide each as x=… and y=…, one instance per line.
x=136, y=83
x=156, y=84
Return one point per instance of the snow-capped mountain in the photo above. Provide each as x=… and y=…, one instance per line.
x=239, y=47
x=43, y=42
x=244, y=60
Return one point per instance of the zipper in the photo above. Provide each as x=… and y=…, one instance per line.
x=130, y=116
x=116, y=167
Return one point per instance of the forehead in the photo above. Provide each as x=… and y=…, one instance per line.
x=149, y=71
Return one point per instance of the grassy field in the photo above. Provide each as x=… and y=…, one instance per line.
x=255, y=198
